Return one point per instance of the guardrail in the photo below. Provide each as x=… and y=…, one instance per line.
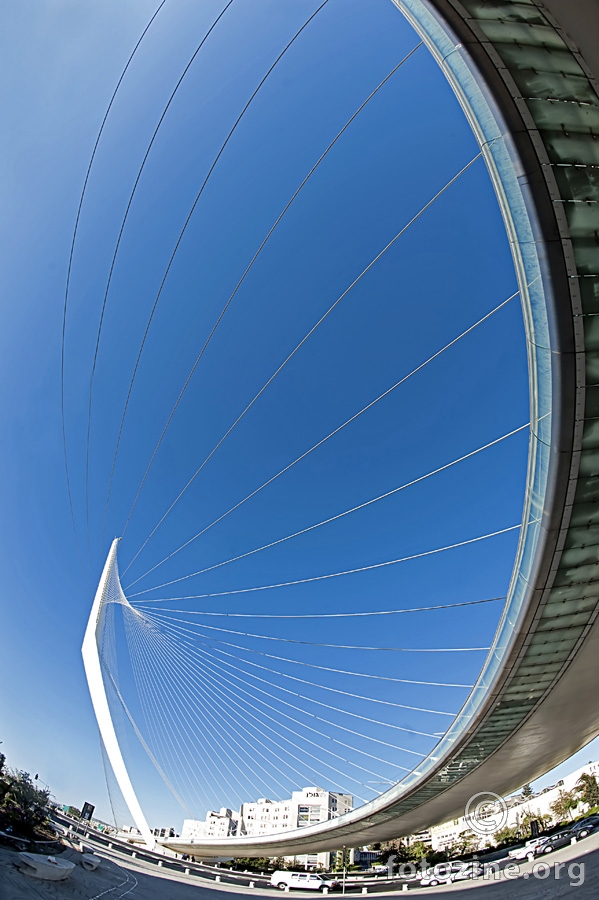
x=353, y=885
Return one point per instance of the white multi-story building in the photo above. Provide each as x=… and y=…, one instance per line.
x=305, y=807
x=519, y=809
x=264, y=816
x=221, y=824
x=419, y=837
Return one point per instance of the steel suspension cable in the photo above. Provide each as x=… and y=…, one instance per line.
x=226, y=692
x=235, y=674
x=148, y=751
x=314, y=328
x=169, y=652
x=116, y=251
x=169, y=739
x=70, y=265
x=169, y=619
x=162, y=617
x=194, y=655
x=172, y=738
x=246, y=273
x=337, y=671
x=340, y=515
x=226, y=686
x=311, y=699
x=182, y=720
x=183, y=230
x=255, y=750
x=389, y=562
x=141, y=667
x=343, y=615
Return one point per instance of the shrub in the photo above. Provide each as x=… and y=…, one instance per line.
x=24, y=808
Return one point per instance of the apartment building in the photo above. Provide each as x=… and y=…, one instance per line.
x=222, y=824
x=306, y=807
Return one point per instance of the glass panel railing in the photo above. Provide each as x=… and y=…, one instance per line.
x=517, y=210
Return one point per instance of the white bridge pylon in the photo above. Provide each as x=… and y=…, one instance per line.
x=109, y=591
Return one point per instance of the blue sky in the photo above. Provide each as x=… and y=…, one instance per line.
x=450, y=268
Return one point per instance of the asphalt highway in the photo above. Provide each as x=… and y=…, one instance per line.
x=572, y=873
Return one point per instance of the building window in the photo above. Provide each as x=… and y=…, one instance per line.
x=308, y=815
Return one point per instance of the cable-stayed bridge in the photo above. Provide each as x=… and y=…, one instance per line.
x=530, y=96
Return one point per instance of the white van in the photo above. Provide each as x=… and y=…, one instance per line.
x=306, y=881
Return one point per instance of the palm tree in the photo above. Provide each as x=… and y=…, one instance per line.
x=588, y=789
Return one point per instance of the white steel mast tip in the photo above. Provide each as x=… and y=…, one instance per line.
x=109, y=591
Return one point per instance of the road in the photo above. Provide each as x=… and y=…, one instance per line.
x=572, y=872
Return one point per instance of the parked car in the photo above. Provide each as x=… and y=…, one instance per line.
x=528, y=851
x=554, y=842
x=444, y=873
x=585, y=826
x=306, y=881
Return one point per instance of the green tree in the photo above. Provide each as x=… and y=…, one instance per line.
x=391, y=849
x=527, y=791
x=411, y=853
x=587, y=789
x=255, y=863
x=23, y=806
x=417, y=851
x=506, y=836
x=437, y=856
x=565, y=803
x=341, y=860
x=466, y=843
